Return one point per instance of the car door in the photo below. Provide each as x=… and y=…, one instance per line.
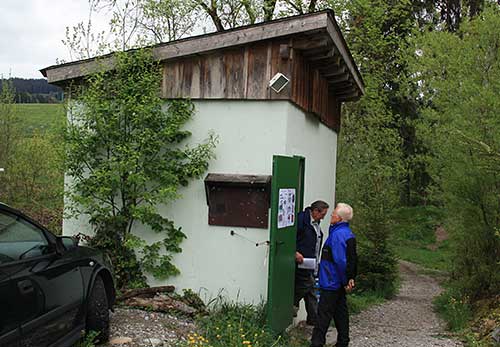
x=9, y=326
x=47, y=286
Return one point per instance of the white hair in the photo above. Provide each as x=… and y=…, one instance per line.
x=344, y=211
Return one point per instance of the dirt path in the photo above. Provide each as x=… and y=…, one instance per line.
x=405, y=321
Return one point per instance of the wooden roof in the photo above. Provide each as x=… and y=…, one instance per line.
x=317, y=36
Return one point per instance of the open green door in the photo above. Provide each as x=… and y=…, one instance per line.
x=286, y=201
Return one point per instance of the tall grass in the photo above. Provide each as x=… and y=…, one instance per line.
x=231, y=324
x=454, y=309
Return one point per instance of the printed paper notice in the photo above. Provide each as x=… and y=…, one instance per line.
x=286, y=208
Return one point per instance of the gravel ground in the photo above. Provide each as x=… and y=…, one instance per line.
x=405, y=321
x=137, y=328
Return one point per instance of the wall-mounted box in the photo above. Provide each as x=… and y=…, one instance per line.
x=238, y=200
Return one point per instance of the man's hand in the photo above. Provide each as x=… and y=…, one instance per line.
x=350, y=286
x=299, y=258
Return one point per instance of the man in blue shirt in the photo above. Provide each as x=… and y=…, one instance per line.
x=337, y=272
x=309, y=241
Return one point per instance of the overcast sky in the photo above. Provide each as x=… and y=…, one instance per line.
x=31, y=32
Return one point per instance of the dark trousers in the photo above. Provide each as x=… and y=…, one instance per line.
x=304, y=289
x=332, y=304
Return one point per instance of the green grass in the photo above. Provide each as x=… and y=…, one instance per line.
x=420, y=254
x=416, y=223
x=358, y=302
x=413, y=235
x=41, y=117
x=230, y=324
x=453, y=309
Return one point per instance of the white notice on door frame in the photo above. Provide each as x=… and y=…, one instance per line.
x=286, y=208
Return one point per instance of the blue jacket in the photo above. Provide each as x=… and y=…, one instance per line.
x=338, y=258
x=306, y=235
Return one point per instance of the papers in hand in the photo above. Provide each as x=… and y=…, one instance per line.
x=308, y=264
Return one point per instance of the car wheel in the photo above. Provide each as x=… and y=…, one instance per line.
x=98, y=311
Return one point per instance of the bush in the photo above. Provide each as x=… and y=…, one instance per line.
x=458, y=75
x=454, y=309
x=417, y=223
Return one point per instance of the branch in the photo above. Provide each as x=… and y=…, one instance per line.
x=312, y=6
x=269, y=6
x=295, y=6
x=252, y=16
x=212, y=12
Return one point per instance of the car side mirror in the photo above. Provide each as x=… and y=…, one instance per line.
x=66, y=243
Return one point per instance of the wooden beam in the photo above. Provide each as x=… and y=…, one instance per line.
x=325, y=69
x=312, y=23
x=307, y=44
x=325, y=65
x=334, y=31
x=327, y=55
x=317, y=52
x=341, y=89
x=342, y=70
x=346, y=91
x=341, y=78
x=349, y=97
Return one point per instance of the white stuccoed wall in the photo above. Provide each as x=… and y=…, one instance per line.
x=250, y=133
x=212, y=260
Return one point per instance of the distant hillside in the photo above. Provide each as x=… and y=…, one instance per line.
x=38, y=91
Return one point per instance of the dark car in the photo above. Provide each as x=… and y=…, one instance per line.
x=51, y=289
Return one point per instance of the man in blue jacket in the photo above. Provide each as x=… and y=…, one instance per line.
x=337, y=272
x=309, y=240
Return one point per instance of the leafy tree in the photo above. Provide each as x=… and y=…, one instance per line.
x=459, y=82
x=126, y=157
x=371, y=164
x=168, y=20
x=226, y=14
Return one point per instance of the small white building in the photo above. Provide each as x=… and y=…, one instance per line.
x=227, y=75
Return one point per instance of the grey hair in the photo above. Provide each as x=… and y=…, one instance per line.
x=344, y=211
x=319, y=205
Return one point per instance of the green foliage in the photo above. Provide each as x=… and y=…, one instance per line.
x=32, y=180
x=88, y=340
x=235, y=325
x=454, y=309
x=438, y=258
x=417, y=223
x=9, y=124
x=370, y=164
x=459, y=79
x=415, y=240
x=193, y=300
x=126, y=154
